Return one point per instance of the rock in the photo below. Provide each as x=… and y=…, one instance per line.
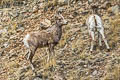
x=15, y=14
x=46, y=22
x=71, y=17
x=58, y=76
x=61, y=9
x=20, y=27
x=41, y=5
x=21, y=72
x=23, y=69
x=90, y=1
x=2, y=31
x=37, y=78
x=63, y=1
x=6, y=45
x=1, y=13
x=94, y=73
x=1, y=52
x=35, y=9
x=106, y=5
x=116, y=9
x=85, y=66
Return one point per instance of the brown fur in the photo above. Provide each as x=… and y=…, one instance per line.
x=45, y=38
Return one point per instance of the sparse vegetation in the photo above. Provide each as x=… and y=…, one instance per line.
x=73, y=59
x=115, y=28
x=114, y=74
x=10, y=3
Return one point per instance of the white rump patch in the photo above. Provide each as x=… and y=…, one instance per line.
x=25, y=40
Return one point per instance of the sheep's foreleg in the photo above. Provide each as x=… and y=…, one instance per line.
x=31, y=57
x=93, y=39
x=100, y=41
x=49, y=56
x=52, y=55
x=28, y=54
x=104, y=39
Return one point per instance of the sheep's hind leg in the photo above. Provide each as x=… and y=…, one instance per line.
x=104, y=39
x=52, y=57
x=100, y=41
x=92, y=42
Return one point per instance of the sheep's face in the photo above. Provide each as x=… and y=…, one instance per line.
x=60, y=19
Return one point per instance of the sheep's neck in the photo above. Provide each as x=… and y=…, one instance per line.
x=59, y=27
x=58, y=33
x=59, y=30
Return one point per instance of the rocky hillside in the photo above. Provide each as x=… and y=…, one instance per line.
x=73, y=59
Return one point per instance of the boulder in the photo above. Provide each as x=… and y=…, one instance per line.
x=115, y=9
x=63, y=1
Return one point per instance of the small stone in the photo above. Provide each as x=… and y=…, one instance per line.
x=6, y=45
x=71, y=17
x=35, y=9
x=63, y=1
x=106, y=5
x=94, y=73
x=1, y=52
x=90, y=1
x=37, y=78
x=85, y=66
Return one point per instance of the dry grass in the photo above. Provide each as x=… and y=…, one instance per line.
x=115, y=29
x=11, y=2
x=114, y=74
x=2, y=2
x=50, y=3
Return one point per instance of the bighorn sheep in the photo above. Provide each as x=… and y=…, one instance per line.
x=45, y=38
x=94, y=23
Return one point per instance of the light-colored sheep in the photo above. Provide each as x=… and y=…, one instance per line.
x=94, y=23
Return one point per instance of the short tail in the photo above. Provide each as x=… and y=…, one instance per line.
x=25, y=40
x=95, y=21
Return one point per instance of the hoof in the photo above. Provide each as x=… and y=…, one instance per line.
x=91, y=51
x=108, y=50
x=101, y=48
